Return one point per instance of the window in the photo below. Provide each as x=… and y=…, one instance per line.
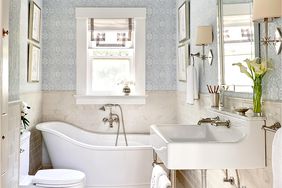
x=110, y=55
x=110, y=52
x=239, y=43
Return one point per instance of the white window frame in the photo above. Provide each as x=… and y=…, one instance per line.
x=83, y=68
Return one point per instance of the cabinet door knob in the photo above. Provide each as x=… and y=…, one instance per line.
x=3, y=137
x=5, y=33
x=21, y=150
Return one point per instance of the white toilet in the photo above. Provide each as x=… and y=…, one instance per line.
x=60, y=178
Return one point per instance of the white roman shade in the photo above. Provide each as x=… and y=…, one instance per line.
x=111, y=32
x=122, y=25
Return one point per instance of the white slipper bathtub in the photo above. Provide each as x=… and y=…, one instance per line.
x=105, y=165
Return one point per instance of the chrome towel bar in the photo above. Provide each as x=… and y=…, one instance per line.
x=272, y=128
x=155, y=159
x=157, y=163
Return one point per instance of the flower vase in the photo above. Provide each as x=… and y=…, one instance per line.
x=257, y=93
x=126, y=89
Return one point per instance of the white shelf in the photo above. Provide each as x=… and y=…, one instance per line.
x=229, y=112
x=118, y=99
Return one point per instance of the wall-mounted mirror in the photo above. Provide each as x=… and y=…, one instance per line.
x=238, y=40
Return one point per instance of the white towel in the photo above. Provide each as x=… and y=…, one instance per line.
x=157, y=172
x=192, y=89
x=196, y=83
x=164, y=182
x=277, y=159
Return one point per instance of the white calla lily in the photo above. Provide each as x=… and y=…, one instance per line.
x=255, y=68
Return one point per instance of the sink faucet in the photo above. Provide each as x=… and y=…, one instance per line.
x=221, y=123
x=208, y=120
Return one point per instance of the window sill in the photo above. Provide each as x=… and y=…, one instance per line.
x=121, y=99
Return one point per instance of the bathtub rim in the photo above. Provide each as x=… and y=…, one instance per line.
x=42, y=127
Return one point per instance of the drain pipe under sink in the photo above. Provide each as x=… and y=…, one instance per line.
x=204, y=178
x=231, y=180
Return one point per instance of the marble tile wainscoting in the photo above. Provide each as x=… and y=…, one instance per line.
x=159, y=108
x=259, y=178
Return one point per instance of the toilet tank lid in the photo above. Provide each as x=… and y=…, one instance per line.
x=58, y=177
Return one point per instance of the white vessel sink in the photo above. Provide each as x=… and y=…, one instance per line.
x=208, y=147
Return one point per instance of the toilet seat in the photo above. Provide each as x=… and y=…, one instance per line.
x=38, y=185
x=58, y=178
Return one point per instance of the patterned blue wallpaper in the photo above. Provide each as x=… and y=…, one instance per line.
x=208, y=74
x=58, y=48
x=59, y=43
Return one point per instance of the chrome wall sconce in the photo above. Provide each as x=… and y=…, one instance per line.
x=266, y=11
x=278, y=42
x=204, y=38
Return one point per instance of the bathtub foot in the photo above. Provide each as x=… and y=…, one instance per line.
x=173, y=178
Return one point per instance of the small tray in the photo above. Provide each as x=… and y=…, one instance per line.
x=241, y=111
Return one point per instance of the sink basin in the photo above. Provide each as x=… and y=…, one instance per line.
x=208, y=147
x=197, y=134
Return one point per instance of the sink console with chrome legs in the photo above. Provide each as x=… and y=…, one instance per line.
x=229, y=141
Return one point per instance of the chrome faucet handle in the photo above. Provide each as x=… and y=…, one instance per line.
x=105, y=120
x=116, y=119
x=215, y=118
x=111, y=121
x=221, y=123
x=208, y=120
x=211, y=119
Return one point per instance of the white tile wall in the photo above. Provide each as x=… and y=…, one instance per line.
x=159, y=108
